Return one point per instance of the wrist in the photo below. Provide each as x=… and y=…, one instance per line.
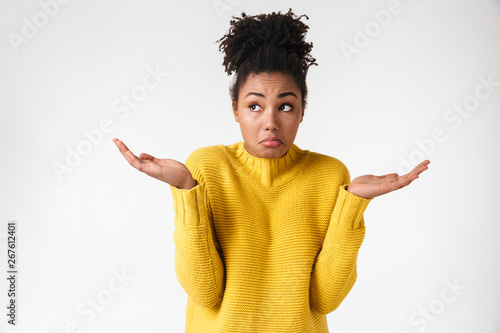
x=189, y=185
x=363, y=196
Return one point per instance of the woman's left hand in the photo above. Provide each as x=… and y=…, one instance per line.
x=370, y=186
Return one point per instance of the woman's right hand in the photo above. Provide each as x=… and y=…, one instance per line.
x=167, y=170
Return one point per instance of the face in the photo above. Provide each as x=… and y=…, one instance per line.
x=269, y=105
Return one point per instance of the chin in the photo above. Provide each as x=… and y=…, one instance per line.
x=274, y=152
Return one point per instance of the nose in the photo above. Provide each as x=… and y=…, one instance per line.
x=271, y=120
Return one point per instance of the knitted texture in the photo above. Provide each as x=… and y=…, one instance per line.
x=265, y=245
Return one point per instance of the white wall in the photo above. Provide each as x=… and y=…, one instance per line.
x=395, y=99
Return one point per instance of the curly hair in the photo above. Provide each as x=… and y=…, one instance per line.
x=267, y=43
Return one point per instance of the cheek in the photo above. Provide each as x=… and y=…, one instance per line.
x=250, y=129
x=245, y=123
x=248, y=126
x=292, y=122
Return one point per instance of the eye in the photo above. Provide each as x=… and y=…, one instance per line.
x=252, y=107
x=290, y=108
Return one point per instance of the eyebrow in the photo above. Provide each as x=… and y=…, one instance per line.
x=279, y=96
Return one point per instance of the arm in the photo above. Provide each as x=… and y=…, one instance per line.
x=335, y=272
x=198, y=263
x=199, y=267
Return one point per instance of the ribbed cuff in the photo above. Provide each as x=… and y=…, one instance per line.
x=349, y=209
x=190, y=205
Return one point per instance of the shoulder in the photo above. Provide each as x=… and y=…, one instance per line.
x=329, y=165
x=204, y=155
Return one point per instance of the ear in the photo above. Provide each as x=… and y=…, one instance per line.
x=235, y=110
x=302, y=117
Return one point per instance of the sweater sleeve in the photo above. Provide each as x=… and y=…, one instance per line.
x=334, y=272
x=198, y=264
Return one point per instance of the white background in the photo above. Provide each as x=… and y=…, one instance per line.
x=372, y=110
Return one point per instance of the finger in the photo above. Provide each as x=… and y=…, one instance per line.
x=407, y=179
x=125, y=152
x=134, y=160
x=391, y=175
x=145, y=156
x=129, y=156
x=121, y=146
x=395, y=183
x=400, y=181
x=419, y=168
x=423, y=163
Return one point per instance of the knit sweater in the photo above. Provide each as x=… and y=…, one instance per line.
x=265, y=245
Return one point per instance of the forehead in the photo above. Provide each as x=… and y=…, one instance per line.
x=271, y=82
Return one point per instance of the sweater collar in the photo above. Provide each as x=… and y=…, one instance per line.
x=269, y=172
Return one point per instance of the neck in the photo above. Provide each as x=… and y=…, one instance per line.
x=268, y=172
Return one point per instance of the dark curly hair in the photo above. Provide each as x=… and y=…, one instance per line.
x=267, y=43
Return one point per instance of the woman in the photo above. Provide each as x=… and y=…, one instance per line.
x=266, y=234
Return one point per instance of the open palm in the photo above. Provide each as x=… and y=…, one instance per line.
x=167, y=170
x=370, y=186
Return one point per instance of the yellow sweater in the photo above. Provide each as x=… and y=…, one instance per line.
x=265, y=245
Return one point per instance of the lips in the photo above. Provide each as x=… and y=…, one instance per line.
x=271, y=142
x=271, y=139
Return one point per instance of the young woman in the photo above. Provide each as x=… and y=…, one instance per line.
x=266, y=234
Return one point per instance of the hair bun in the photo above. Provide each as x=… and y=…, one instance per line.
x=248, y=34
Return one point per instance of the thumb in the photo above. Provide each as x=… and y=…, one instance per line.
x=145, y=156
